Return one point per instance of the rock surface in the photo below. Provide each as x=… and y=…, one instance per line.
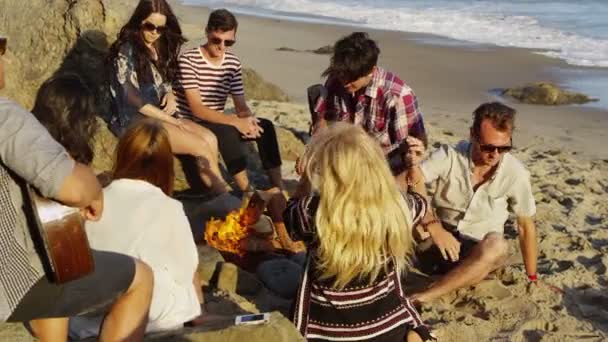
x=72, y=36
x=544, y=93
x=39, y=42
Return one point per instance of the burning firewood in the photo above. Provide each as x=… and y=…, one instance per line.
x=236, y=234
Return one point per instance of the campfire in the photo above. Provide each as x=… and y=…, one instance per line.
x=229, y=234
x=241, y=238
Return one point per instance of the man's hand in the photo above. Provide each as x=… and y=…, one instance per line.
x=320, y=124
x=94, y=210
x=445, y=241
x=248, y=127
x=415, y=151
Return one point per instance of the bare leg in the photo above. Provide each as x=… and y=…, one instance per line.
x=198, y=141
x=488, y=255
x=276, y=179
x=129, y=315
x=50, y=329
x=413, y=336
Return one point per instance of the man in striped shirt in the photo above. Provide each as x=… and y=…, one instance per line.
x=360, y=92
x=207, y=75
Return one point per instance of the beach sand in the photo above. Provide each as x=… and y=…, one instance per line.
x=450, y=81
x=561, y=146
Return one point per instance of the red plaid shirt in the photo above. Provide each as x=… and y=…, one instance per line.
x=387, y=110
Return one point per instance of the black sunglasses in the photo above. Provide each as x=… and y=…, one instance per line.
x=218, y=41
x=489, y=148
x=151, y=27
x=3, y=41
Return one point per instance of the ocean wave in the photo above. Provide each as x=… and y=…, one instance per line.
x=466, y=23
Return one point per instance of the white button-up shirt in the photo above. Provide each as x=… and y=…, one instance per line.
x=448, y=171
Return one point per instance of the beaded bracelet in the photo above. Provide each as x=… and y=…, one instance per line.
x=412, y=184
x=426, y=224
x=532, y=277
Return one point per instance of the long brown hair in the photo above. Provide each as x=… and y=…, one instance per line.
x=66, y=107
x=167, y=46
x=144, y=153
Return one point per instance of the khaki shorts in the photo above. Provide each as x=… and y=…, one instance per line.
x=430, y=260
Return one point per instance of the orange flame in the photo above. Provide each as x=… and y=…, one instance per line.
x=226, y=235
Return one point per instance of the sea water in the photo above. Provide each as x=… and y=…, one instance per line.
x=574, y=31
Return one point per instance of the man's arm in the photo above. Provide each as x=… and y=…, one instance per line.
x=241, y=107
x=435, y=166
x=408, y=119
x=528, y=244
x=244, y=125
x=27, y=148
x=81, y=189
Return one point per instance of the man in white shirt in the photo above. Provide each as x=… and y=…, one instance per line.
x=475, y=186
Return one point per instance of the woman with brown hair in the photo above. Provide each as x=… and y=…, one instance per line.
x=145, y=222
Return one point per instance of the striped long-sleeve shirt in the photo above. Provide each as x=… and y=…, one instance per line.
x=359, y=312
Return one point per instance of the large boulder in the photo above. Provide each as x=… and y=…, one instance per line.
x=41, y=34
x=256, y=88
x=290, y=146
x=545, y=93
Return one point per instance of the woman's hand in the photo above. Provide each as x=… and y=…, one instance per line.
x=169, y=104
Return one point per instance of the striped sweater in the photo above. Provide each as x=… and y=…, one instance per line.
x=359, y=312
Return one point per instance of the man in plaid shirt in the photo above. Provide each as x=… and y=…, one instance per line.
x=360, y=92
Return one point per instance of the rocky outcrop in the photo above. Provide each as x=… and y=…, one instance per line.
x=256, y=88
x=544, y=93
x=42, y=33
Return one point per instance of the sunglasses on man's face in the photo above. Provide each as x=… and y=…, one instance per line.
x=3, y=42
x=151, y=27
x=489, y=148
x=218, y=41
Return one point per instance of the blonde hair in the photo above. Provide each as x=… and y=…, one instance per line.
x=362, y=220
x=144, y=153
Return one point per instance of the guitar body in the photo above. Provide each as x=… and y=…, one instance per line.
x=64, y=239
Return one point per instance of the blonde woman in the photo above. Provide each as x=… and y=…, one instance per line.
x=358, y=228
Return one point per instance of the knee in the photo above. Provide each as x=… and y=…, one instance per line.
x=211, y=140
x=205, y=134
x=494, y=248
x=267, y=126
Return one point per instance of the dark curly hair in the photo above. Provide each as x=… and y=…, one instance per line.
x=66, y=107
x=221, y=20
x=501, y=116
x=354, y=56
x=167, y=46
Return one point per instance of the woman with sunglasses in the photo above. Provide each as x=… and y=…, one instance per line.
x=144, y=63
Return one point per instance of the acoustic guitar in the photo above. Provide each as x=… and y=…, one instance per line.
x=62, y=239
